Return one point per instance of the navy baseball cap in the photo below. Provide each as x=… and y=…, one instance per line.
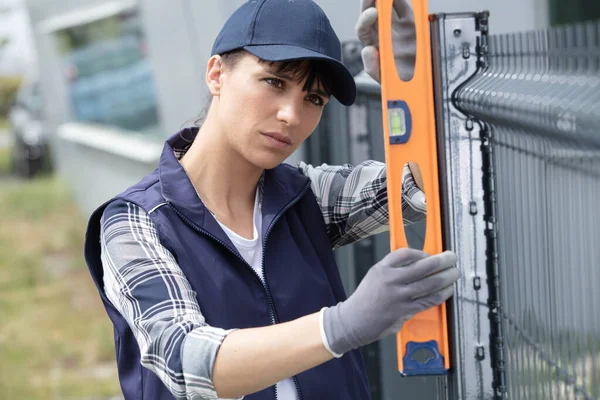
x=287, y=30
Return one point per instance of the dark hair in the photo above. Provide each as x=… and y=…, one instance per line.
x=314, y=71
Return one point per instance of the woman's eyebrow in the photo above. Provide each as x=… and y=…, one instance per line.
x=320, y=93
x=273, y=71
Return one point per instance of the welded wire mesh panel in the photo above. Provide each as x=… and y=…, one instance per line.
x=537, y=95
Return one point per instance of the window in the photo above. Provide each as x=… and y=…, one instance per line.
x=109, y=73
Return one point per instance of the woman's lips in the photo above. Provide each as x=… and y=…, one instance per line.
x=278, y=140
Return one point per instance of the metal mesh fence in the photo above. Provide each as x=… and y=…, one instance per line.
x=519, y=118
x=537, y=97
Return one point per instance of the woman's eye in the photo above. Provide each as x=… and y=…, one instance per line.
x=278, y=83
x=316, y=100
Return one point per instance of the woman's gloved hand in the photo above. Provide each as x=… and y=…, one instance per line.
x=403, y=38
x=403, y=283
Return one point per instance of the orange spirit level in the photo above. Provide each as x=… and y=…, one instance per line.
x=410, y=135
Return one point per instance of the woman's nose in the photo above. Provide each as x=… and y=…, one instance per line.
x=290, y=112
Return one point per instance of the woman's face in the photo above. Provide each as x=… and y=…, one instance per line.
x=266, y=116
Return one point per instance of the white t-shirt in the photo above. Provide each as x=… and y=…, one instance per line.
x=252, y=251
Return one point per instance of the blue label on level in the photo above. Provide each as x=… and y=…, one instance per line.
x=423, y=359
x=399, y=121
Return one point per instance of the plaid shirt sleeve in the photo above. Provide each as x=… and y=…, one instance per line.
x=145, y=284
x=353, y=199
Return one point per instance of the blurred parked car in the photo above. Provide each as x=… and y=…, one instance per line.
x=31, y=152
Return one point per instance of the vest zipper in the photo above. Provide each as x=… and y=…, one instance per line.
x=265, y=285
x=269, y=296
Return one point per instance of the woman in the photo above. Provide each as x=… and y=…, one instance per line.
x=217, y=269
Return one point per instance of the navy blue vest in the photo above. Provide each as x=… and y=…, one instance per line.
x=299, y=267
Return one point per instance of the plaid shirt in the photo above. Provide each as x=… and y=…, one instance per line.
x=145, y=284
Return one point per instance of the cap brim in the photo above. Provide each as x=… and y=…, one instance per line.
x=344, y=87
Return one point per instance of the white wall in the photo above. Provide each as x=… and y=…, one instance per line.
x=506, y=15
x=180, y=35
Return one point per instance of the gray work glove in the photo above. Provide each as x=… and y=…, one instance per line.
x=403, y=38
x=403, y=283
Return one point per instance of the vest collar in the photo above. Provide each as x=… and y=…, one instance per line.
x=279, y=188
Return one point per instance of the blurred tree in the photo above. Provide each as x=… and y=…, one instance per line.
x=3, y=40
x=568, y=12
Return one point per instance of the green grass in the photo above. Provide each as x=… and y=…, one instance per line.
x=55, y=337
x=3, y=123
x=5, y=160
